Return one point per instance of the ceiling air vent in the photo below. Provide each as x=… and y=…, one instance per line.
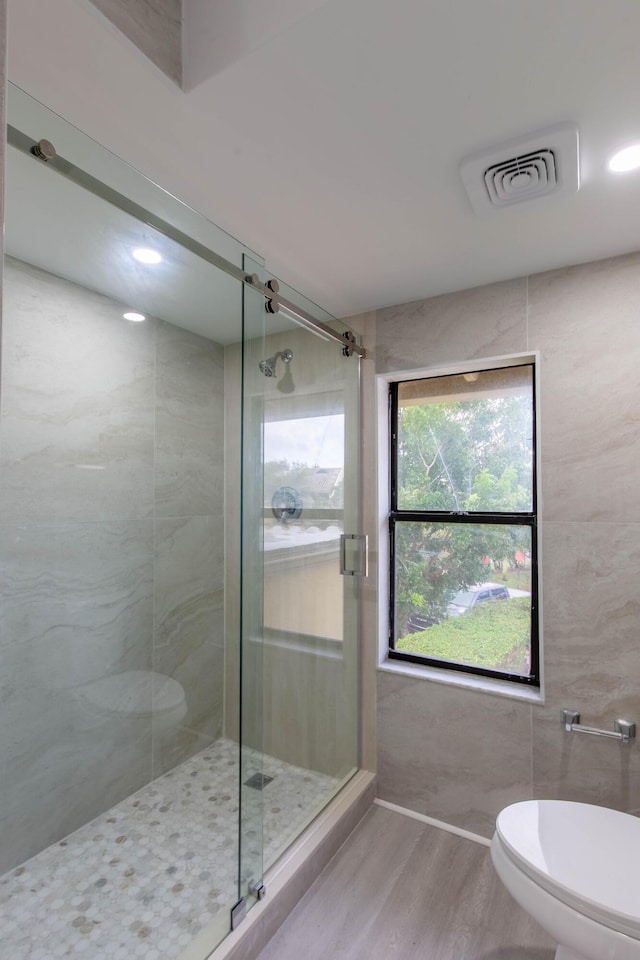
x=544, y=164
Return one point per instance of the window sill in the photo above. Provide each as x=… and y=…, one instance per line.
x=451, y=678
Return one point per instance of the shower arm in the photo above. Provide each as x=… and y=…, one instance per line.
x=268, y=366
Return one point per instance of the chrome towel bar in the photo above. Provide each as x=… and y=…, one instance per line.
x=623, y=730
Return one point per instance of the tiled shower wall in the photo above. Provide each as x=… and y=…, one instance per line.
x=460, y=755
x=111, y=548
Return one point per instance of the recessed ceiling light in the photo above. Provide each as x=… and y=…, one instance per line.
x=146, y=255
x=134, y=317
x=627, y=159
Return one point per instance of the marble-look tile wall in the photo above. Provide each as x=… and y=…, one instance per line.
x=459, y=755
x=111, y=554
x=154, y=26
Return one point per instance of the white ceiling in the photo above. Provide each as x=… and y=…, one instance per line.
x=333, y=145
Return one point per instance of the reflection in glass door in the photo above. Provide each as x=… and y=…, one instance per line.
x=301, y=420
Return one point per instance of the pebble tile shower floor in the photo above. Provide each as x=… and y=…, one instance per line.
x=143, y=878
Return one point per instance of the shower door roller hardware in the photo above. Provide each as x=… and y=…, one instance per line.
x=349, y=338
x=257, y=889
x=623, y=730
x=44, y=150
x=238, y=913
x=354, y=554
x=272, y=305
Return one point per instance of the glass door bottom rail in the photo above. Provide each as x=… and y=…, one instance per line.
x=143, y=878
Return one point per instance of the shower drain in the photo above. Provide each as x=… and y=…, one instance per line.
x=258, y=781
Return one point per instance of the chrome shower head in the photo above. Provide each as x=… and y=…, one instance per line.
x=268, y=366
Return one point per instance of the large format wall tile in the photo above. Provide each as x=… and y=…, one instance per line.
x=80, y=592
x=77, y=404
x=51, y=792
x=189, y=424
x=572, y=766
x=591, y=620
x=307, y=715
x=584, y=320
x=451, y=753
x=189, y=627
x=482, y=322
x=76, y=607
x=83, y=394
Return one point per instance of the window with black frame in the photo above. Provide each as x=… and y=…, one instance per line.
x=463, y=591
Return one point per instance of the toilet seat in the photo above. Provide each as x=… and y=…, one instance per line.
x=136, y=694
x=586, y=856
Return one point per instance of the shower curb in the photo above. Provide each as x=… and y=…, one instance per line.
x=292, y=875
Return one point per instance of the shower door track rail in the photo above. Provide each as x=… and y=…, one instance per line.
x=44, y=152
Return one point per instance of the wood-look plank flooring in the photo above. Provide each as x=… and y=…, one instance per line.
x=402, y=890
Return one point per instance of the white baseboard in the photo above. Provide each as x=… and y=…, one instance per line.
x=459, y=832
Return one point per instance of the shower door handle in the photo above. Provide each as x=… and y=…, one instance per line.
x=354, y=554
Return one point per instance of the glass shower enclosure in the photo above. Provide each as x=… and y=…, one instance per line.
x=178, y=619
x=299, y=715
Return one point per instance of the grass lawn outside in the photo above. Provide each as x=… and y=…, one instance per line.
x=519, y=579
x=493, y=635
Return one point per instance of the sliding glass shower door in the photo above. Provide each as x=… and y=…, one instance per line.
x=301, y=561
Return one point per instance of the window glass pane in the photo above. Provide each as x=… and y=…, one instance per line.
x=463, y=593
x=465, y=442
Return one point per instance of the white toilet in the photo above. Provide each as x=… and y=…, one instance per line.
x=576, y=869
